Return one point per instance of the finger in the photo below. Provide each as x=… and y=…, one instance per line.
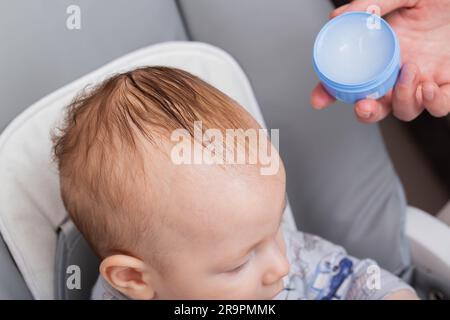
x=339, y=10
x=320, y=98
x=386, y=6
x=405, y=105
x=436, y=99
x=371, y=111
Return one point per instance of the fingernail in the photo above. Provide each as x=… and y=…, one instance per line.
x=365, y=115
x=318, y=104
x=315, y=106
x=428, y=92
x=407, y=76
x=364, y=112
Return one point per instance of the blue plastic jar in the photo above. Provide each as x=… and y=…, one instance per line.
x=357, y=55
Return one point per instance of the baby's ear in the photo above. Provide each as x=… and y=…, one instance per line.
x=128, y=275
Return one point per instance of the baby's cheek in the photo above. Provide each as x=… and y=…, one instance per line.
x=280, y=241
x=242, y=286
x=197, y=289
x=245, y=290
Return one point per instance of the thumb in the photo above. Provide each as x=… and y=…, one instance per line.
x=385, y=6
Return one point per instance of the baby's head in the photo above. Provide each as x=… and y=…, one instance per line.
x=166, y=230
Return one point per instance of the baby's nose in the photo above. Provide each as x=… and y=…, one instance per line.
x=279, y=267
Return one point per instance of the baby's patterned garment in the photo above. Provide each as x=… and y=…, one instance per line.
x=319, y=270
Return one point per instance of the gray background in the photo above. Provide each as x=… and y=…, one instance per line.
x=39, y=54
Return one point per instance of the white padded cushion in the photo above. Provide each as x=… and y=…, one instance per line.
x=30, y=206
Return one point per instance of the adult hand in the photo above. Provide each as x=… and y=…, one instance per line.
x=423, y=28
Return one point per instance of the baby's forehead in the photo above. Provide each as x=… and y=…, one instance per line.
x=214, y=197
x=209, y=196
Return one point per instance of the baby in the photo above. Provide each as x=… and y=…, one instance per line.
x=205, y=230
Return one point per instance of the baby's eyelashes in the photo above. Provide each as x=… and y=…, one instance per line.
x=242, y=265
x=238, y=268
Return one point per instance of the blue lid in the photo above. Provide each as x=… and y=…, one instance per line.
x=355, y=49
